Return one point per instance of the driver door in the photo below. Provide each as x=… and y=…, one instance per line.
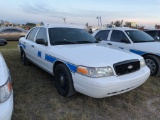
x=41, y=49
x=120, y=40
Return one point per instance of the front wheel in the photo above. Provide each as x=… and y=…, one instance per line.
x=63, y=81
x=153, y=62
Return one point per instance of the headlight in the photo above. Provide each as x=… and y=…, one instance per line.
x=142, y=63
x=5, y=91
x=95, y=72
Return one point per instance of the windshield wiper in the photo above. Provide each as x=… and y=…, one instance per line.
x=80, y=42
x=63, y=42
x=152, y=41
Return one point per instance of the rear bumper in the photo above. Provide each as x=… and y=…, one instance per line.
x=109, y=86
x=6, y=109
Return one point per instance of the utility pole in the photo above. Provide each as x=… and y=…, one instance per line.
x=64, y=20
x=98, y=20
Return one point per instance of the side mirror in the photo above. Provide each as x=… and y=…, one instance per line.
x=98, y=39
x=157, y=38
x=3, y=42
x=41, y=41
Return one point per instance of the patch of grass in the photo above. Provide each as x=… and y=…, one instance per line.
x=36, y=98
x=10, y=45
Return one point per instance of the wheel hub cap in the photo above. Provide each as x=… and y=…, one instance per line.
x=62, y=80
x=150, y=63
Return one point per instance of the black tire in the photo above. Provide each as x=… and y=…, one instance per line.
x=153, y=62
x=63, y=81
x=24, y=59
x=21, y=52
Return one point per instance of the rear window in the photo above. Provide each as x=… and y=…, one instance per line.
x=151, y=33
x=32, y=34
x=103, y=34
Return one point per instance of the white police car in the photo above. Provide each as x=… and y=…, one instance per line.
x=80, y=64
x=6, y=92
x=135, y=41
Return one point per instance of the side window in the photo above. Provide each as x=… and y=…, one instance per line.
x=103, y=34
x=32, y=34
x=6, y=31
x=158, y=33
x=151, y=33
x=15, y=30
x=119, y=36
x=42, y=34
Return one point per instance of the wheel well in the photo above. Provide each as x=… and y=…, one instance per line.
x=150, y=54
x=21, y=49
x=57, y=63
x=21, y=36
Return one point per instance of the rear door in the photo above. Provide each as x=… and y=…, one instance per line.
x=119, y=39
x=5, y=34
x=15, y=34
x=29, y=43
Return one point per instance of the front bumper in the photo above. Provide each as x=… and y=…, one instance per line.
x=6, y=108
x=109, y=86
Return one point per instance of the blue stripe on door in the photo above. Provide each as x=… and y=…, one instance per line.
x=39, y=54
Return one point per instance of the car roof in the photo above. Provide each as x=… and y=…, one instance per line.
x=119, y=28
x=153, y=30
x=2, y=28
x=65, y=26
x=116, y=28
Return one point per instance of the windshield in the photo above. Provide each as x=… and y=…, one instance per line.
x=139, y=36
x=60, y=36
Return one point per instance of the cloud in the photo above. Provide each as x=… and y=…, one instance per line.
x=44, y=9
x=36, y=9
x=77, y=11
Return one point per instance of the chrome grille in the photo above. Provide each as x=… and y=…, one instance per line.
x=126, y=67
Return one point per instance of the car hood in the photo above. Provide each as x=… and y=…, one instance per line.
x=91, y=55
x=148, y=47
x=4, y=72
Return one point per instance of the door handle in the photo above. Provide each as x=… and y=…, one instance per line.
x=109, y=43
x=32, y=46
x=121, y=47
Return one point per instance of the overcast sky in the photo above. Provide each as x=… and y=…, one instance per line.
x=143, y=12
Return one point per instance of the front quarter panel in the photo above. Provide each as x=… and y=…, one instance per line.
x=4, y=72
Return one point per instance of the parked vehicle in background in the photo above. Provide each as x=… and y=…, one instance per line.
x=80, y=64
x=6, y=91
x=135, y=41
x=12, y=33
x=154, y=33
